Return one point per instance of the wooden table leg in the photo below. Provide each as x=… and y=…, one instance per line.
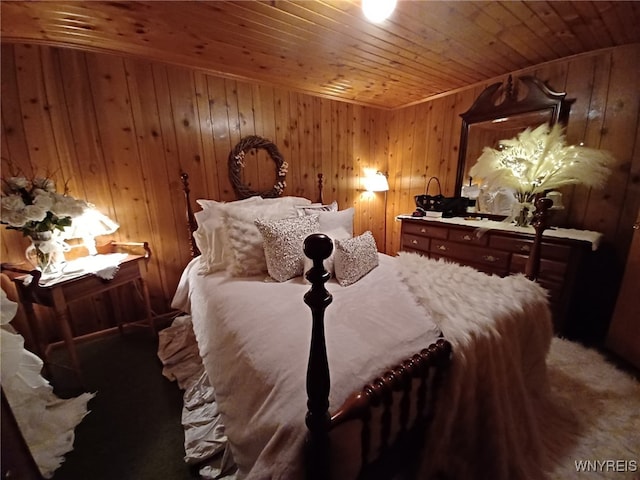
x=63, y=317
x=113, y=308
x=147, y=305
x=38, y=346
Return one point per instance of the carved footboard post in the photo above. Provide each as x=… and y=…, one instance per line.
x=540, y=222
x=318, y=247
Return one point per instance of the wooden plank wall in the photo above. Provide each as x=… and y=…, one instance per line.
x=424, y=142
x=120, y=130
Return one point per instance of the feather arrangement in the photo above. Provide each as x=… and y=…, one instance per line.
x=538, y=160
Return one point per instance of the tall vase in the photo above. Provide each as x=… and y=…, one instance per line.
x=45, y=253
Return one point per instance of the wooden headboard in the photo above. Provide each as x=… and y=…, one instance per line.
x=191, y=219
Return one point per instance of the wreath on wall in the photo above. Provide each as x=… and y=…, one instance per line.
x=236, y=164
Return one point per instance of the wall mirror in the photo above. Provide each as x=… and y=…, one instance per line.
x=500, y=112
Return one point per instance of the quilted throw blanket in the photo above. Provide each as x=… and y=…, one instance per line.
x=490, y=417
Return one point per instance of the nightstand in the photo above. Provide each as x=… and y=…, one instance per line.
x=58, y=293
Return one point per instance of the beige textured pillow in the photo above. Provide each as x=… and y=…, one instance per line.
x=244, y=241
x=210, y=237
x=283, y=244
x=354, y=258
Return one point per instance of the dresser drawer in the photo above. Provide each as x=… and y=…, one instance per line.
x=551, y=271
x=472, y=254
x=419, y=228
x=548, y=250
x=414, y=242
x=468, y=236
x=488, y=269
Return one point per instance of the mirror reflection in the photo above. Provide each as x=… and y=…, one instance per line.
x=500, y=112
x=489, y=134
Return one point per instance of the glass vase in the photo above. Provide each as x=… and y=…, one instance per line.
x=45, y=253
x=522, y=214
x=522, y=210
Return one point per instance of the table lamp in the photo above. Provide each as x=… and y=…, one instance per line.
x=92, y=223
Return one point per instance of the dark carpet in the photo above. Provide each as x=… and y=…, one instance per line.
x=133, y=430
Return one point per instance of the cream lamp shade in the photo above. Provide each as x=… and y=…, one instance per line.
x=92, y=223
x=376, y=183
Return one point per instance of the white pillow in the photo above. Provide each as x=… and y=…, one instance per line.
x=283, y=244
x=317, y=208
x=288, y=202
x=337, y=234
x=209, y=236
x=244, y=247
x=354, y=258
x=335, y=220
x=206, y=203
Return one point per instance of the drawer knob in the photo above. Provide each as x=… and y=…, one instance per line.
x=423, y=230
x=442, y=247
x=490, y=258
x=524, y=248
x=466, y=237
x=415, y=242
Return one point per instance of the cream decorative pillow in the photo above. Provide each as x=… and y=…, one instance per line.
x=283, y=244
x=354, y=258
x=210, y=237
x=245, y=251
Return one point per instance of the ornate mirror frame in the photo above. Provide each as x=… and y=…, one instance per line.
x=504, y=110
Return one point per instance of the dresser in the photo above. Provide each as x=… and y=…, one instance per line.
x=503, y=249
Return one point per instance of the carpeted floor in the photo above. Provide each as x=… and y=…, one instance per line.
x=133, y=430
x=594, y=427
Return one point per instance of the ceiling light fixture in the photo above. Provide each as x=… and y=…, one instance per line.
x=378, y=10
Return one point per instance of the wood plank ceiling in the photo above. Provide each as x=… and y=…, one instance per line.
x=327, y=48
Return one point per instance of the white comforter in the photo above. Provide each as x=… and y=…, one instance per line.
x=254, y=339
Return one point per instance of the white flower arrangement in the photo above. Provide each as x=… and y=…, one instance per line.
x=539, y=160
x=34, y=206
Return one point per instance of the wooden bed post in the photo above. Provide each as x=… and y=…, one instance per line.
x=540, y=223
x=318, y=247
x=191, y=219
x=320, y=198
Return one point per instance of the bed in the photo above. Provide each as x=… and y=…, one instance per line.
x=409, y=364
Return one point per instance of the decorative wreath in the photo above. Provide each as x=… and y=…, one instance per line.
x=236, y=164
